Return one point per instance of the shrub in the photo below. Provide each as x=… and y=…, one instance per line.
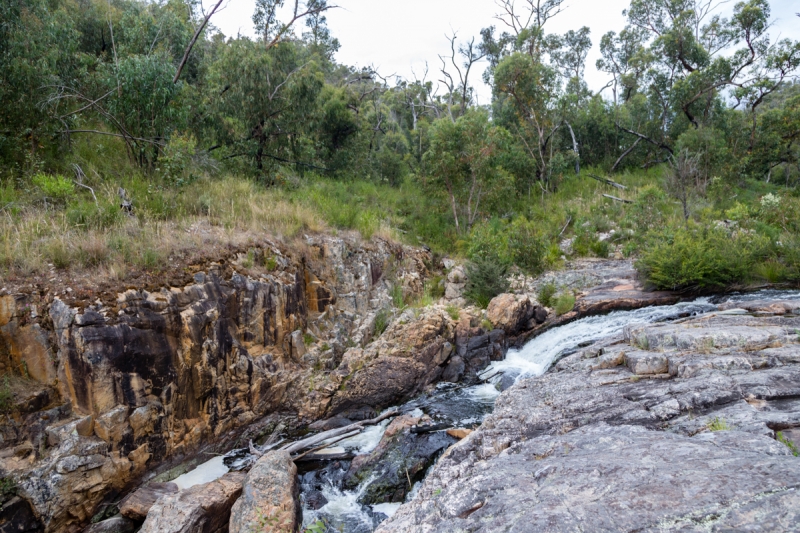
x=647, y=211
x=398, y=298
x=526, y=246
x=489, y=242
x=8, y=489
x=57, y=189
x=546, y=293
x=485, y=280
x=564, y=304
x=701, y=258
x=600, y=248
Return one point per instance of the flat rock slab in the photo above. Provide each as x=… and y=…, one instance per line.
x=136, y=505
x=199, y=509
x=611, y=479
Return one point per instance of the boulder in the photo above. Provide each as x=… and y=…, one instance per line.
x=200, y=509
x=137, y=504
x=116, y=524
x=16, y=516
x=270, y=496
x=401, y=458
x=510, y=312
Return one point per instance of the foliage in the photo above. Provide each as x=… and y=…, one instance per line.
x=6, y=396
x=8, y=489
x=564, y=303
x=701, y=258
x=453, y=312
x=789, y=444
x=485, y=280
x=718, y=424
x=381, y=322
x=546, y=293
x=54, y=188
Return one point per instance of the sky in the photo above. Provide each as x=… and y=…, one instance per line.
x=399, y=37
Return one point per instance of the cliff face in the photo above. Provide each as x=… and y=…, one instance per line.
x=119, y=388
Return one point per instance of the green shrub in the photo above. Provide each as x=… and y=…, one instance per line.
x=85, y=213
x=57, y=189
x=564, y=303
x=57, y=254
x=398, y=298
x=527, y=247
x=489, y=241
x=647, y=211
x=600, y=248
x=435, y=287
x=485, y=280
x=701, y=258
x=546, y=293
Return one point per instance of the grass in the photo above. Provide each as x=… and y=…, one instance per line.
x=381, y=322
x=6, y=396
x=718, y=424
x=8, y=489
x=789, y=444
x=453, y=312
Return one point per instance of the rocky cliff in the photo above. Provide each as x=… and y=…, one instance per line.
x=687, y=426
x=109, y=390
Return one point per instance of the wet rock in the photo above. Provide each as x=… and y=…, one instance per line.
x=200, y=509
x=137, y=504
x=315, y=500
x=510, y=312
x=270, y=492
x=587, y=428
x=16, y=516
x=401, y=458
x=116, y=524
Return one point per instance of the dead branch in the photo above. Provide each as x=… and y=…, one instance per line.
x=194, y=40
x=617, y=199
x=608, y=182
x=648, y=139
x=79, y=175
x=626, y=154
x=325, y=435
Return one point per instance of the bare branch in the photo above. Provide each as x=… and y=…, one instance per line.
x=194, y=40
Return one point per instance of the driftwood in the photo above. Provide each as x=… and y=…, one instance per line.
x=617, y=199
x=327, y=444
x=430, y=429
x=330, y=434
x=609, y=182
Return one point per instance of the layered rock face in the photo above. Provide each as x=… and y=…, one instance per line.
x=128, y=385
x=672, y=428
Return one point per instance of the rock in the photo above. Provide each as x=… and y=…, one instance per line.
x=16, y=516
x=459, y=433
x=137, y=504
x=116, y=524
x=644, y=363
x=510, y=312
x=400, y=459
x=199, y=509
x=692, y=447
x=315, y=500
x=330, y=423
x=270, y=493
x=85, y=426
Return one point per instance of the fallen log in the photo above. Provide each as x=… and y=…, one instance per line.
x=609, y=182
x=617, y=199
x=430, y=429
x=325, y=435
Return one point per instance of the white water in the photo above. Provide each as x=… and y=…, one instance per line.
x=204, y=473
x=342, y=506
x=538, y=355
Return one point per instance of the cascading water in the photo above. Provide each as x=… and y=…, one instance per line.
x=459, y=406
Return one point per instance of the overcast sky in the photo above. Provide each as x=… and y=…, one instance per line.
x=397, y=36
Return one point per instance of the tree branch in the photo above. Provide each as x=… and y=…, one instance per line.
x=194, y=40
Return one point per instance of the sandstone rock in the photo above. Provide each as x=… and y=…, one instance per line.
x=270, y=494
x=200, y=509
x=510, y=312
x=459, y=433
x=137, y=504
x=116, y=524
x=85, y=426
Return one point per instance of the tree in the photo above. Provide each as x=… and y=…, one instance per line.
x=462, y=160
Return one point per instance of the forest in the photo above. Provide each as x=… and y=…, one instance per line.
x=688, y=159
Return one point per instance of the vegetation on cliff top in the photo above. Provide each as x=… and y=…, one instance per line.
x=689, y=160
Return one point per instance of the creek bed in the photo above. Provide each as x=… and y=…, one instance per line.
x=327, y=505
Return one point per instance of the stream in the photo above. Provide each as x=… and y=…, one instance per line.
x=451, y=405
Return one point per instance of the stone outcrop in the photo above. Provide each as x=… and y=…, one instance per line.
x=199, y=509
x=672, y=427
x=128, y=384
x=402, y=457
x=269, y=500
x=513, y=313
x=137, y=504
